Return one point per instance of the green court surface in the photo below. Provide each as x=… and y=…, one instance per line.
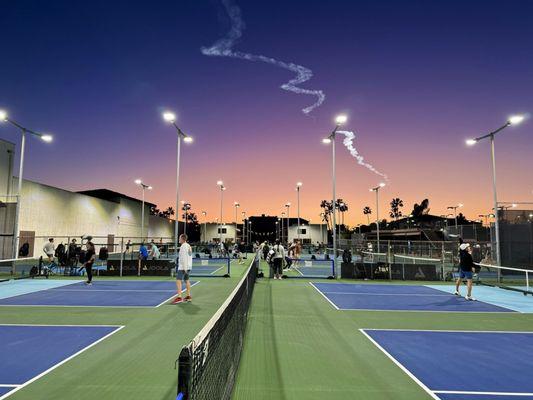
x=298, y=346
x=136, y=363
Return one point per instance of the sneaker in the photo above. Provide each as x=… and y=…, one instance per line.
x=177, y=300
x=457, y=293
x=188, y=299
x=470, y=298
x=88, y=283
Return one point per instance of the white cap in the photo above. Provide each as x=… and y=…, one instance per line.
x=464, y=246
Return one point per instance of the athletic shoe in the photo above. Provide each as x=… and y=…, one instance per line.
x=470, y=298
x=88, y=283
x=177, y=300
x=457, y=293
x=188, y=298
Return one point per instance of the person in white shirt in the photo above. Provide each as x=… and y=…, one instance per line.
x=183, y=269
x=277, y=259
x=49, y=249
x=154, y=251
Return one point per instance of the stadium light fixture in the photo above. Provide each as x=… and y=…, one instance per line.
x=4, y=117
x=341, y=119
x=516, y=119
x=513, y=120
x=376, y=189
x=143, y=186
x=170, y=117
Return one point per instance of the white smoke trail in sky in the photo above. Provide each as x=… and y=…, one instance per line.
x=223, y=48
x=348, y=142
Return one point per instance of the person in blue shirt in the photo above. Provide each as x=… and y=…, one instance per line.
x=143, y=252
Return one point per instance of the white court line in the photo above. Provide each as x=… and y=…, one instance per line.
x=518, y=394
x=173, y=295
x=111, y=290
x=430, y=311
x=442, y=330
x=68, y=325
x=323, y=295
x=215, y=271
x=394, y=294
x=414, y=378
x=5, y=396
x=8, y=385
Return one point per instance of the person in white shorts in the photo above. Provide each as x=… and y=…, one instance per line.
x=183, y=269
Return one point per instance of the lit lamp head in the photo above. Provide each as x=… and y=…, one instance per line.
x=341, y=119
x=220, y=183
x=299, y=184
x=326, y=140
x=3, y=115
x=515, y=119
x=46, y=138
x=138, y=181
x=471, y=142
x=169, y=116
x=149, y=188
x=188, y=139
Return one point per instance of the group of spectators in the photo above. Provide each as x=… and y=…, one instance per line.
x=72, y=255
x=279, y=258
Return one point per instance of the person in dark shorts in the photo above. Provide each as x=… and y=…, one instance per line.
x=278, y=257
x=90, y=256
x=466, y=268
x=183, y=269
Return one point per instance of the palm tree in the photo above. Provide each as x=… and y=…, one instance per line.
x=342, y=207
x=367, y=211
x=328, y=209
x=395, y=206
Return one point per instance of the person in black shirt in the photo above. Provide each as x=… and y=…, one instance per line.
x=466, y=267
x=90, y=256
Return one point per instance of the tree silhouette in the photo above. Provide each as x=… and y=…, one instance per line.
x=328, y=209
x=342, y=207
x=367, y=211
x=395, y=206
x=420, y=209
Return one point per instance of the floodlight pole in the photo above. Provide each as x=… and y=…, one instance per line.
x=491, y=136
x=19, y=199
x=24, y=131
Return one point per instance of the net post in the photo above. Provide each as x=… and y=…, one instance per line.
x=184, y=373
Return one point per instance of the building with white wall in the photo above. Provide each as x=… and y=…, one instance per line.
x=210, y=231
x=47, y=211
x=309, y=233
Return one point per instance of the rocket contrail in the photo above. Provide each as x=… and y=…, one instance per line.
x=223, y=48
x=348, y=142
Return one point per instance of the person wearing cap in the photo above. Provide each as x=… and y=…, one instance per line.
x=466, y=266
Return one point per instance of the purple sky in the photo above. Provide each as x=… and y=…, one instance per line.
x=416, y=78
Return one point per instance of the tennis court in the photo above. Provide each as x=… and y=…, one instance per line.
x=463, y=364
x=102, y=293
x=348, y=296
x=31, y=351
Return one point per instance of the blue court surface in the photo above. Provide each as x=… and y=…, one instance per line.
x=31, y=351
x=348, y=296
x=459, y=365
x=104, y=293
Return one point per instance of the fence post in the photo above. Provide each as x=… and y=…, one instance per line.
x=121, y=254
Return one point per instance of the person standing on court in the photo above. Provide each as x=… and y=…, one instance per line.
x=277, y=259
x=49, y=249
x=466, y=266
x=90, y=256
x=183, y=269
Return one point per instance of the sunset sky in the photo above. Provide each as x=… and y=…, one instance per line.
x=416, y=78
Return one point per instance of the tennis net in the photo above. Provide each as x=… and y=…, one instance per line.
x=208, y=364
x=516, y=279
